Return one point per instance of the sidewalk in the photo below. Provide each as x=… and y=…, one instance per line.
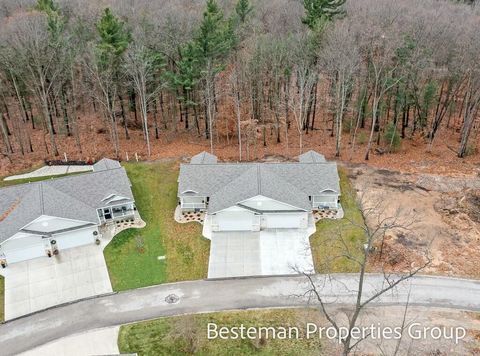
x=51, y=171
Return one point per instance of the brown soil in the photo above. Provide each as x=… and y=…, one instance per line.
x=445, y=215
x=413, y=156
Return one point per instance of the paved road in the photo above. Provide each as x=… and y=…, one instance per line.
x=215, y=295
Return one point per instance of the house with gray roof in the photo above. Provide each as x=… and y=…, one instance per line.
x=256, y=199
x=40, y=218
x=249, y=196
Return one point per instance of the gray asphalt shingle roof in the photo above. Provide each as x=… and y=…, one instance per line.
x=203, y=158
x=72, y=197
x=258, y=180
x=106, y=164
x=311, y=157
x=228, y=184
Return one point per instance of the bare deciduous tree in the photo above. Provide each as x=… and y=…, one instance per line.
x=376, y=225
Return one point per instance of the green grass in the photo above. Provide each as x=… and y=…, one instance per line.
x=326, y=242
x=2, y=299
x=132, y=256
x=187, y=335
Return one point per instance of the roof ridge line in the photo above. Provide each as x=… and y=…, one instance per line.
x=259, y=180
x=42, y=203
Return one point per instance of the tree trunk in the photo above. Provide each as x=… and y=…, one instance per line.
x=6, y=139
x=124, y=117
x=49, y=123
x=155, y=121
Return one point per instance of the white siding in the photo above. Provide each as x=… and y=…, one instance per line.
x=325, y=200
x=260, y=202
x=192, y=203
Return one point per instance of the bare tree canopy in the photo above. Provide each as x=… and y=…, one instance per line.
x=371, y=74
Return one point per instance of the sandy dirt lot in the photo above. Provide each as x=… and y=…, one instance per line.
x=444, y=212
x=415, y=325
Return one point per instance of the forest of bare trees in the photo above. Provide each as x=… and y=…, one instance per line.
x=372, y=74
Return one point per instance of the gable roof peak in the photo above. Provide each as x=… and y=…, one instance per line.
x=311, y=157
x=204, y=158
x=106, y=164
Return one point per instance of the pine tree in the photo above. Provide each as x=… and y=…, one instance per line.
x=114, y=37
x=55, y=20
x=243, y=8
x=318, y=11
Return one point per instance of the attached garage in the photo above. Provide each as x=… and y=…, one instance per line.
x=23, y=247
x=25, y=253
x=235, y=220
x=285, y=220
x=26, y=245
x=76, y=238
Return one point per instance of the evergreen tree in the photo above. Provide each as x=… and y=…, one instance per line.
x=55, y=20
x=318, y=11
x=215, y=35
x=46, y=6
x=114, y=37
x=243, y=8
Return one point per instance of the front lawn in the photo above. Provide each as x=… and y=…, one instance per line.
x=187, y=335
x=326, y=243
x=133, y=255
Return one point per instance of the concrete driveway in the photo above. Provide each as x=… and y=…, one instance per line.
x=264, y=253
x=40, y=283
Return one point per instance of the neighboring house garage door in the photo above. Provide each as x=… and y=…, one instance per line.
x=235, y=221
x=25, y=253
x=33, y=246
x=285, y=221
x=75, y=238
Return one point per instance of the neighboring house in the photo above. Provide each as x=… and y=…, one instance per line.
x=38, y=218
x=258, y=216
x=254, y=196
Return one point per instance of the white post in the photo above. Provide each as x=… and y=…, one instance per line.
x=136, y=156
x=126, y=154
x=65, y=155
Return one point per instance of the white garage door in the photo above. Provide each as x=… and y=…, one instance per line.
x=235, y=221
x=75, y=238
x=284, y=221
x=25, y=253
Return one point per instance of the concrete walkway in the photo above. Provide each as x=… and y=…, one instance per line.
x=51, y=171
x=96, y=342
x=216, y=295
